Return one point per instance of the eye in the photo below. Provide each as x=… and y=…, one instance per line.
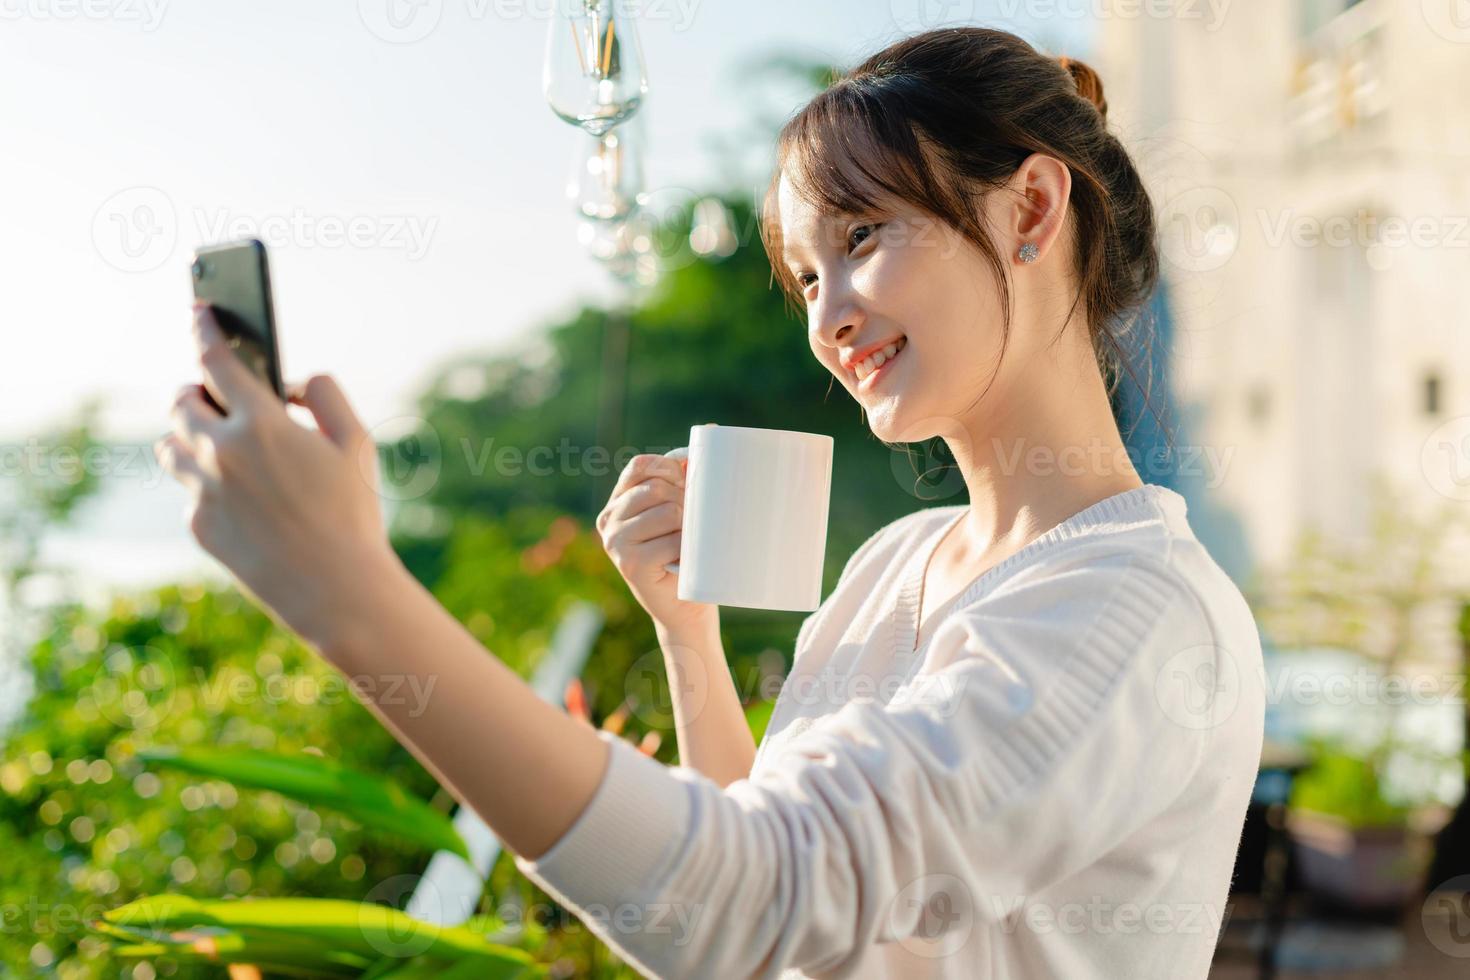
x=806, y=279
x=870, y=228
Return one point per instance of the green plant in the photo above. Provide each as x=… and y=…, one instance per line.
x=1347, y=786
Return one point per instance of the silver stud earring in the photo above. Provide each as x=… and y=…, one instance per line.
x=1029, y=252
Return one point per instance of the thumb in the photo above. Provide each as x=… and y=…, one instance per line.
x=321, y=394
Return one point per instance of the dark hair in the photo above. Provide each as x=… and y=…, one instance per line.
x=932, y=116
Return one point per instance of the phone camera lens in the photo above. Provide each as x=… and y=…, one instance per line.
x=198, y=269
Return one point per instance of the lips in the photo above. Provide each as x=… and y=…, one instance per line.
x=874, y=362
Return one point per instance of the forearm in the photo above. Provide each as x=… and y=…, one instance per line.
x=714, y=737
x=527, y=768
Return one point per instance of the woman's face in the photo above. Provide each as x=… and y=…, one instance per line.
x=896, y=277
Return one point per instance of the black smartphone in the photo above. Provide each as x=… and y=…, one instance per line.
x=234, y=279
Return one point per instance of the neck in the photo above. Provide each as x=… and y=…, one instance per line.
x=1054, y=450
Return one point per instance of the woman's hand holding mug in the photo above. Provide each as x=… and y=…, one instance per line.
x=642, y=529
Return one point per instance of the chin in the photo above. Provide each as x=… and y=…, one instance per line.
x=891, y=420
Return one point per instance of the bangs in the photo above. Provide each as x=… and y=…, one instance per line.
x=844, y=155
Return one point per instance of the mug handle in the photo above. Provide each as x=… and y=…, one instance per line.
x=682, y=454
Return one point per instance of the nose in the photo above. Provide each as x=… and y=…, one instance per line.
x=836, y=316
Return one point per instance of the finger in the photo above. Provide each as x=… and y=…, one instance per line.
x=682, y=456
x=243, y=391
x=176, y=459
x=651, y=742
x=654, y=523
x=195, y=420
x=646, y=465
x=328, y=404
x=646, y=496
x=656, y=553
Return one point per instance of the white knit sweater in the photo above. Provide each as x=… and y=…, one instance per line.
x=1053, y=786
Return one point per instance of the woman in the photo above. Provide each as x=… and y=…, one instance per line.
x=1019, y=737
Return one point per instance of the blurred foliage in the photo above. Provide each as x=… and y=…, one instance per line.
x=57, y=471
x=1346, y=786
x=91, y=828
x=1369, y=596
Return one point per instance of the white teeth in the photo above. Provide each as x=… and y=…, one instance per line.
x=872, y=363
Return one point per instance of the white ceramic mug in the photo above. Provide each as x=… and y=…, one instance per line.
x=755, y=517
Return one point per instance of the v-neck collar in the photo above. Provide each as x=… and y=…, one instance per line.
x=906, y=608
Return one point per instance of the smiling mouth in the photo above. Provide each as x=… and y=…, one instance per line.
x=871, y=367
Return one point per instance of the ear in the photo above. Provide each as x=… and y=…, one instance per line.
x=1037, y=205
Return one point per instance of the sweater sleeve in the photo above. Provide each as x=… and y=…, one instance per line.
x=1035, y=738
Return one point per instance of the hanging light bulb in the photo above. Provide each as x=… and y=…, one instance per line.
x=710, y=233
x=607, y=175
x=594, y=76
x=625, y=248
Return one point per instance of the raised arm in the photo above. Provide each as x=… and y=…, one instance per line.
x=709, y=721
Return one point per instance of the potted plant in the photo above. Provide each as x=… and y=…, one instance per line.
x=1355, y=846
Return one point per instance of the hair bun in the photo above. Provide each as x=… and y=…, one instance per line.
x=1089, y=86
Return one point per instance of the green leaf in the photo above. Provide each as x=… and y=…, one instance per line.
x=359, y=933
x=371, y=801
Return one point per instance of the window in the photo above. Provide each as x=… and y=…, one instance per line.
x=1431, y=394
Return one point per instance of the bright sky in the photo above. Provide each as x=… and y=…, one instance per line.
x=133, y=130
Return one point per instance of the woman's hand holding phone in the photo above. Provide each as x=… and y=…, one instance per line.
x=293, y=513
